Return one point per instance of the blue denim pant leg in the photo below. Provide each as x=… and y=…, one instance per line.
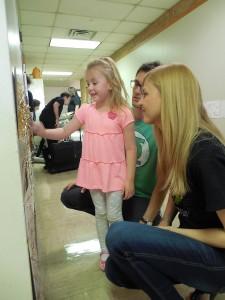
x=154, y=259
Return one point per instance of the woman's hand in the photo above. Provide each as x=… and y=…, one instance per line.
x=128, y=189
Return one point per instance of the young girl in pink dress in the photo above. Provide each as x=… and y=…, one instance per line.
x=107, y=165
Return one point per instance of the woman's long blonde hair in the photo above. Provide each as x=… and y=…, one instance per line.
x=108, y=68
x=183, y=117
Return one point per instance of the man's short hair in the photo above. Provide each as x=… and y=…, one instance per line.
x=146, y=67
x=36, y=103
x=72, y=90
x=67, y=95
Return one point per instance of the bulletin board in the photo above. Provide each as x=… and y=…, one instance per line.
x=23, y=119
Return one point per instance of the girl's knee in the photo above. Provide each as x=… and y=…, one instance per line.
x=100, y=216
x=114, y=218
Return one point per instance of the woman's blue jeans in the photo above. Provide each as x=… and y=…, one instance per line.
x=154, y=259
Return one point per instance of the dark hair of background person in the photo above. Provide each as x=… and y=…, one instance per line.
x=36, y=103
x=146, y=67
x=28, y=80
x=65, y=95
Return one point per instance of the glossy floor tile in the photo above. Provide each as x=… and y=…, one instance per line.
x=68, y=247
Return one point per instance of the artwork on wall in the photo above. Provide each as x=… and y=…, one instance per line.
x=23, y=119
x=215, y=108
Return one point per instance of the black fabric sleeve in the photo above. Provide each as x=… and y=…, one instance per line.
x=59, y=100
x=211, y=171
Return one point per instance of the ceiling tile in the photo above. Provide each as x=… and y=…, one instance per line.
x=100, y=36
x=60, y=32
x=33, y=61
x=35, y=41
x=40, y=5
x=34, y=48
x=159, y=3
x=96, y=9
x=37, y=18
x=109, y=46
x=62, y=62
x=36, y=59
x=119, y=37
x=64, y=33
x=56, y=82
x=144, y=14
x=71, y=51
x=130, y=27
x=74, y=58
x=122, y=1
x=34, y=54
x=36, y=31
x=77, y=22
x=56, y=67
x=114, y=21
x=102, y=52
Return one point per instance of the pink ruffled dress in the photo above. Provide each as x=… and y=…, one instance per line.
x=103, y=165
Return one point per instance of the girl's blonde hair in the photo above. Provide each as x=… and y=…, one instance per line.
x=183, y=118
x=108, y=68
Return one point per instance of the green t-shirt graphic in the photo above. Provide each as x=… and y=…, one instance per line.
x=145, y=176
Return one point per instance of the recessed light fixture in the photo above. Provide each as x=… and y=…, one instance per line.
x=72, y=43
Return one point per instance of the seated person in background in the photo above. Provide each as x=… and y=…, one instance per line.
x=30, y=95
x=36, y=105
x=145, y=178
x=50, y=116
x=192, y=154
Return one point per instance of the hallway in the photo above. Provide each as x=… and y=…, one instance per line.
x=68, y=247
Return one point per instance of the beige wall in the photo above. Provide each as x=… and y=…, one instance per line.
x=52, y=92
x=197, y=40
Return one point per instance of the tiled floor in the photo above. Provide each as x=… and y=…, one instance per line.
x=68, y=249
x=69, y=269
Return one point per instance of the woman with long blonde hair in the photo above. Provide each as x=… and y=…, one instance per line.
x=192, y=158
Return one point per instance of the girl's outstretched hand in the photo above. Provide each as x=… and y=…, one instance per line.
x=38, y=128
x=128, y=190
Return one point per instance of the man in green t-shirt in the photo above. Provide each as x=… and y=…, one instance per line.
x=137, y=207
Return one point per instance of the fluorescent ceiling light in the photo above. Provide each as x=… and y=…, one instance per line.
x=71, y=43
x=56, y=73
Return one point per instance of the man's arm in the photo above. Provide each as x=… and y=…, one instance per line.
x=56, y=113
x=131, y=157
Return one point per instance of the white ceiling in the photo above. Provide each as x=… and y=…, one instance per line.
x=114, y=22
